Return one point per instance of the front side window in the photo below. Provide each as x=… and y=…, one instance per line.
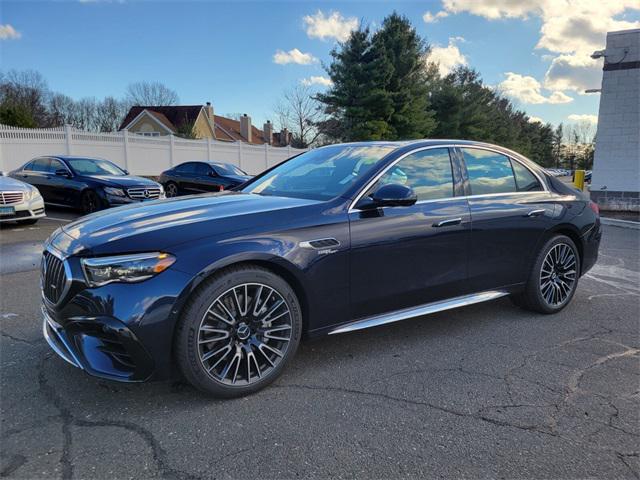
x=525, y=180
x=489, y=172
x=428, y=172
x=319, y=174
x=56, y=165
x=91, y=166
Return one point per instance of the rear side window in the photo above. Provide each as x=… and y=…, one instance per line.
x=428, y=172
x=186, y=168
x=525, y=180
x=489, y=172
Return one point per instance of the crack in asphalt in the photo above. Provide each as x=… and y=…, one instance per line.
x=68, y=419
x=31, y=343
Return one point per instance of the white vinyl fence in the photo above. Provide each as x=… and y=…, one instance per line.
x=138, y=154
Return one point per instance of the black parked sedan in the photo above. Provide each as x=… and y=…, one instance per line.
x=200, y=177
x=89, y=184
x=337, y=239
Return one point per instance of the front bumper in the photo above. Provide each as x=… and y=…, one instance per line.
x=28, y=210
x=121, y=332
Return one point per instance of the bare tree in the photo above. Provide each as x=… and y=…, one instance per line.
x=28, y=91
x=151, y=94
x=62, y=110
x=300, y=113
x=110, y=113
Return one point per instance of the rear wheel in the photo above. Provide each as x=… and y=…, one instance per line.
x=238, y=332
x=171, y=190
x=554, y=277
x=89, y=202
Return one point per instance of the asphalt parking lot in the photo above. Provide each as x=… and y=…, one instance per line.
x=488, y=391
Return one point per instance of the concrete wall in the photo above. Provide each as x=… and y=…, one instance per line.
x=615, y=183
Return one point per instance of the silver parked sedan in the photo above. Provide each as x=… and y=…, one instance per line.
x=19, y=202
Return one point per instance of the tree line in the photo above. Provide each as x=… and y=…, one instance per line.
x=384, y=87
x=26, y=101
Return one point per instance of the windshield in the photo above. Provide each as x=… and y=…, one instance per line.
x=91, y=166
x=319, y=174
x=228, y=169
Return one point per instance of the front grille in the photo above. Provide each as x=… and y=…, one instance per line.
x=10, y=198
x=54, y=277
x=144, y=193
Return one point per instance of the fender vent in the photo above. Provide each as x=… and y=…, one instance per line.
x=320, y=243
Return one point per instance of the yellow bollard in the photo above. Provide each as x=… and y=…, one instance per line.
x=578, y=179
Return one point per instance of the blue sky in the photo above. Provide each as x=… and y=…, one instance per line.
x=537, y=51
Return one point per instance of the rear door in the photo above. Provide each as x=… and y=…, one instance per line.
x=205, y=181
x=407, y=256
x=184, y=175
x=38, y=176
x=510, y=212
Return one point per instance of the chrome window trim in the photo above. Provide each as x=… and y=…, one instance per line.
x=377, y=177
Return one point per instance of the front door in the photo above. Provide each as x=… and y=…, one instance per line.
x=407, y=256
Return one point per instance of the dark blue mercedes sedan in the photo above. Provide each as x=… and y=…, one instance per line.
x=86, y=184
x=340, y=238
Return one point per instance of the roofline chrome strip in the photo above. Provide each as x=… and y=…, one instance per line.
x=420, y=310
x=448, y=145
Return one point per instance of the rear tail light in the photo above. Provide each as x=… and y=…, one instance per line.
x=594, y=207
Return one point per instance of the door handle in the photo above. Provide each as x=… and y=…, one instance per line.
x=448, y=223
x=536, y=213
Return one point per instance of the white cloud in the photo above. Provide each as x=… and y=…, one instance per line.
x=571, y=29
x=429, y=17
x=7, y=32
x=574, y=117
x=293, y=56
x=529, y=90
x=447, y=57
x=573, y=72
x=534, y=119
x=317, y=80
x=330, y=26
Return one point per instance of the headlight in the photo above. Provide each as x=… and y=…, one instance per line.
x=125, y=268
x=33, y=193
x=116, y=192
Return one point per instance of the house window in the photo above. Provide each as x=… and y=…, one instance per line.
x=149, y=134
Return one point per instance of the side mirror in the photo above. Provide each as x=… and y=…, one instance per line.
x=63, y=172
x=389, y=195
x=126, y=172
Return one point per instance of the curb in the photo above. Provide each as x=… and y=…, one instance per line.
x=614, y=222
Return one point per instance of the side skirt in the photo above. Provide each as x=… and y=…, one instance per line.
x=420, y=310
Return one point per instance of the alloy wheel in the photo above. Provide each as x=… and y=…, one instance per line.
x=244, y=334
x=558, y=274
x=172, y=190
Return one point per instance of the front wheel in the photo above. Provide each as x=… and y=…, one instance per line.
x=238, y=331
x=89, y=202
x=554, y=277
x=171, y=190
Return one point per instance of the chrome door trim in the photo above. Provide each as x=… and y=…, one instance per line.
x=369, y=184
x=420, y=310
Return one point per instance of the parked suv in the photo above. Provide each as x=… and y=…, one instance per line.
x=89, y=184
x=337, y=239
x=19, y=202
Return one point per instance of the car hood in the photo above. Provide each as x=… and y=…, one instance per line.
x=122, y=180
x=8, y=183
x=158, y=224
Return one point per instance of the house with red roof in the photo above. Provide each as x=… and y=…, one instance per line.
x=200, y=121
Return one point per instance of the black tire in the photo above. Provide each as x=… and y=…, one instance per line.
x=171, y=189
x=538, y=295
x=196, y=315
x=89, y=202
x=30, y=221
